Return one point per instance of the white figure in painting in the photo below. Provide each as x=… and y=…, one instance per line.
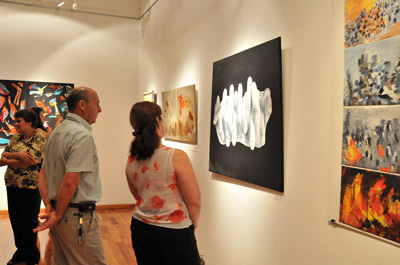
x=243, y=119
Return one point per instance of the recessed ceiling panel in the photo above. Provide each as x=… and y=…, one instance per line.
x=122, y=8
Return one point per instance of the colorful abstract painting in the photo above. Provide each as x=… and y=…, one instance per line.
x=16, y=95
x=373, y=74
x=371, y=20
x=187, y=114
x=246, y=131
x=370, y=201
x=371, y=138
x=180, y=114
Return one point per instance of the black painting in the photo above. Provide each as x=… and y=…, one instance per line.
x=16, y=95
x=246, y=135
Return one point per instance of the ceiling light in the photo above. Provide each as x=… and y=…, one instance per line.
x=60, y=4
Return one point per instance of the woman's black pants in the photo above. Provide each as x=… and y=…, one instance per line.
x=155, y=245
x=23, y=209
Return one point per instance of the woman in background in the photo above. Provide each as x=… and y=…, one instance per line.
x=41, y=120
x=162, y=181
x=23, y=155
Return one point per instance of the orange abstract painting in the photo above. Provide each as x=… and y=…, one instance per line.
x=180, y=114
x=187, y=121
x=368, y=21
x=354, y=7
x=370, y=201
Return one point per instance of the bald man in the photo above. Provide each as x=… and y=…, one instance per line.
x=69, y=184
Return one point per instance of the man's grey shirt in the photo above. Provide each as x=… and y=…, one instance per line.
x=71, y=148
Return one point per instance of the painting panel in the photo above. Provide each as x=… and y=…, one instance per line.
x=169, y=107
x=13, y=94
x=370, y=202
x=187, y=114
x=373, y=74
x=16, y=95
x=371, y=20
x=150, y=97
x=246, y=132
x=371, y=138
x=51, y=97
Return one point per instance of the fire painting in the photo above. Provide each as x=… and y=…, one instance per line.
x=371, y=138
x=370, y=201
x=17, y=95
x=180, y=114
x=246, y=130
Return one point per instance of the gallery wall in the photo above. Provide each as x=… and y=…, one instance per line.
x=241, y=223
x=96, y=51
x=175, y=45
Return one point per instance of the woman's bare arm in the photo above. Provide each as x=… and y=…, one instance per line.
x=187, y=184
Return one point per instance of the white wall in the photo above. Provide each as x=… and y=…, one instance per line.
x=241, y=223
x=96, y=51
x=179, y=40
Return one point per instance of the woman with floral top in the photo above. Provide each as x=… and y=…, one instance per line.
x=23, y=156
x=163, y=182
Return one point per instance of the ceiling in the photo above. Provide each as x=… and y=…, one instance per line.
x=132, y=9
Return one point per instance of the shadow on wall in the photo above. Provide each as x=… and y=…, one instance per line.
x=335, y=224
x=144, y=22
x=218, y=177
x=172, y=14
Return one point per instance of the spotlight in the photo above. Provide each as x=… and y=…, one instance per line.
x=60, y=4
x=74, y=5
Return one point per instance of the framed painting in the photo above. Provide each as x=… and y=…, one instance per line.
x=370, y=201
x=187, y=114
x=246, y=132
x=16, y=95
x=169, y=107
x=370, y=20
x=373, y=74
x=150, y=96
x=180, y=114
x=371, y=138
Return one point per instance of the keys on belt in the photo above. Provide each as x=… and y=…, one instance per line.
x=80, y=228
x=83, y=208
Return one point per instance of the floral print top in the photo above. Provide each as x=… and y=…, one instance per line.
x=160, y=201
x=25, y=177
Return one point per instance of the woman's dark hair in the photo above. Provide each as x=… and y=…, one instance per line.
x=143, y=118
x=29, y=116
x=39, y=125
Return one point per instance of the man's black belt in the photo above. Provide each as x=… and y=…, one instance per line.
x=83, y=207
